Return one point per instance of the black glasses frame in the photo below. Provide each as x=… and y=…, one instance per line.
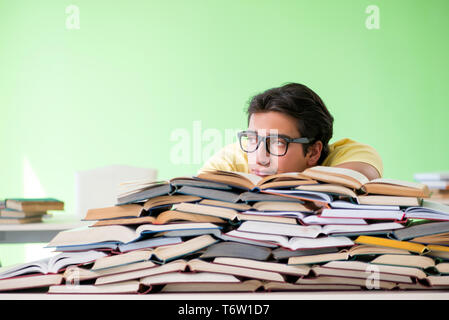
x=264, y=139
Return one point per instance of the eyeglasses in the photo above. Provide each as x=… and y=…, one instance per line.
x=276, y=145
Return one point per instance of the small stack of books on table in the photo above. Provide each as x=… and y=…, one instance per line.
x=27, y=210
x=438, y=183
x=321, y=229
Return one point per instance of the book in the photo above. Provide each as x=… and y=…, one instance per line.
x=298, y=271
x=243, y=286
x=34, y=204
x=75, y=274
x=252, y=182
x=431, y=176
x=405, y=245
x=224, y=204
x=281, y=254
x=414, y=261
x=316, y=197
x=192, y=278
x=333, y=280
x=162, y=254
x=151, y=190
x=51, y=264
x=165, y=217
x=229, y=214
x=194, y=265
x=339, y=204
x=437, y=185
x=118, y=234
x=311, y=231
x=281, y=206
x=168, y=200
x=10, y=213
x=420, y=231
x=332, y=189
x=236, y=250
x=292, y=243
x=114, y=212
x=125, y=287
x=389, y=200
x=30, y=281
x=334, y=175
x=360, y=270
x=397, y=215
x=117, y=260
x=279, y=286
x=367, y=268
x=214, y=194
x=357, y=181
x=251, y=197
x=345, y=254
x=429, y=210
x=6, y=220
x=394, y=187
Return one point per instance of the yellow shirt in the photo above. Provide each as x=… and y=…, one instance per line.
x=232, y=158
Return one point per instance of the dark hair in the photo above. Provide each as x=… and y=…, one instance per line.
x=300, y=102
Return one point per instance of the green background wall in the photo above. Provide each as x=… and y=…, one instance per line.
x=113, y=91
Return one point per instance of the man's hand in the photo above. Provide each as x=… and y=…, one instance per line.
x=364, y=168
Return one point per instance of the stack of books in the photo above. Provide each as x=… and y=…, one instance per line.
x=321, y=229
x=27, y=210
x=438, y=183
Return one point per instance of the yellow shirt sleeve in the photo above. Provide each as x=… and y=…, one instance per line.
x=347, y=150
x=232, y=158
x=229, y=158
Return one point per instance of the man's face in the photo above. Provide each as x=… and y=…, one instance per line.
x=263, y=163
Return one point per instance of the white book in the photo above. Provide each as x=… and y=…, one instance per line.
x=293, y=243
x=363, y=214
x=51, y=264
x=339, y=204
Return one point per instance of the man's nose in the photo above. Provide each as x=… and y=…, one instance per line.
x=262, y=155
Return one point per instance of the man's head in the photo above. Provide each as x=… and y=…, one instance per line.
x=293, y=111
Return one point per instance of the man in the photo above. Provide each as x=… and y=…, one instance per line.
x=289, y=129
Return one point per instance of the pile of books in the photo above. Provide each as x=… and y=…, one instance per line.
x=27, y=210
x=438, y=183
x=321, y=229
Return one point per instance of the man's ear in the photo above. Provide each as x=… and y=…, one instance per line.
x=314, y=153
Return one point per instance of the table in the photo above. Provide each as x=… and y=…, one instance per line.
x=323, y=295
x=39, y=232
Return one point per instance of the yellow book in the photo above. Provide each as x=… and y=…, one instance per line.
x=383, y=242
x=437, y=247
